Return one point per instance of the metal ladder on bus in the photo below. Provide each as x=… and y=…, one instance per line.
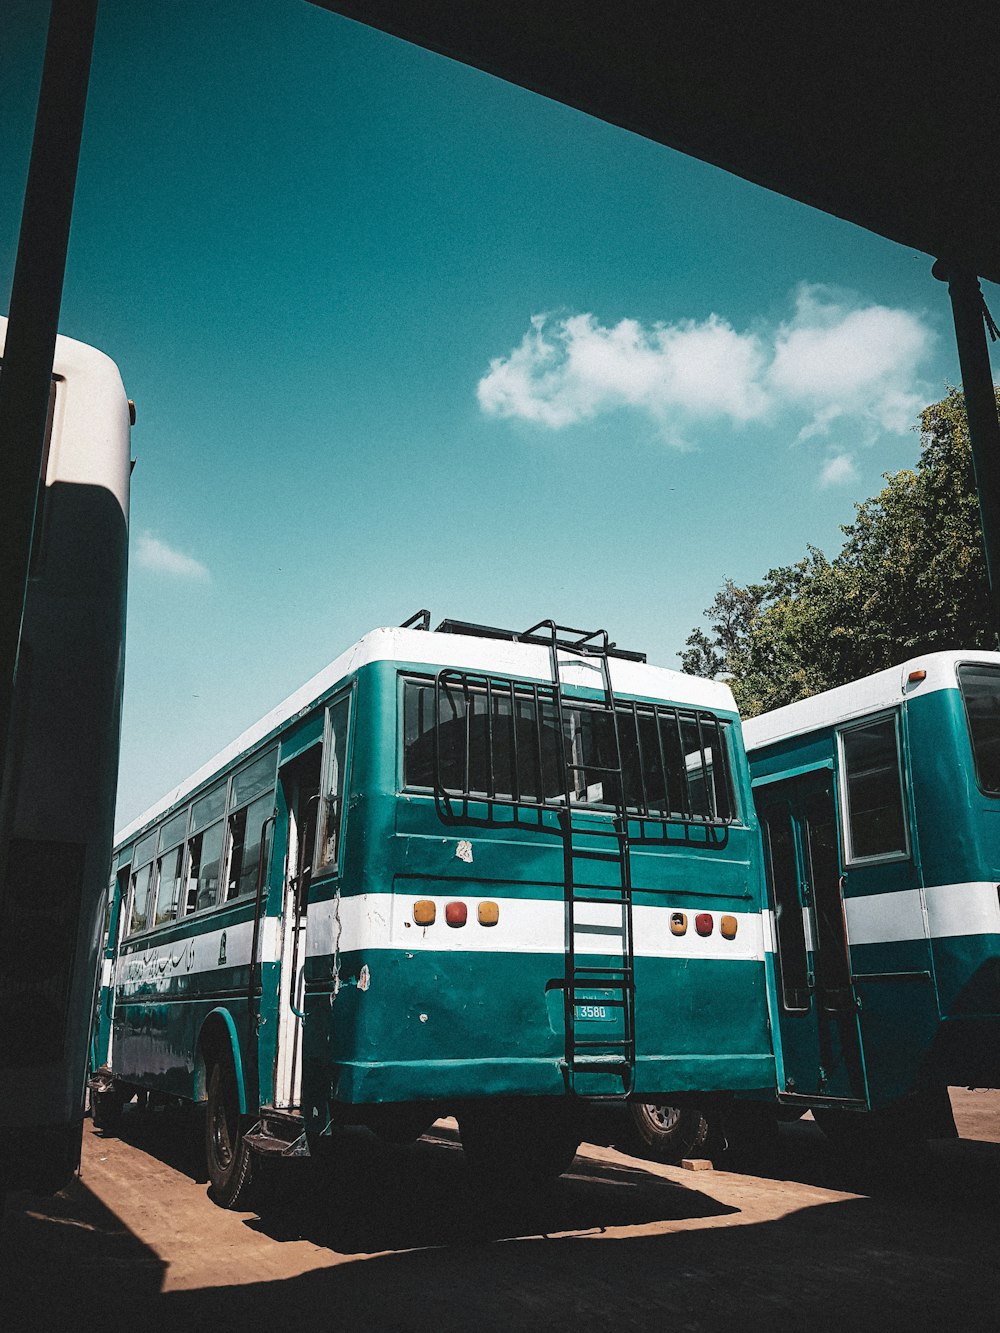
x=598, y=1067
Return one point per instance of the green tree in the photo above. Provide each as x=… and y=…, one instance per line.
x=909, y=578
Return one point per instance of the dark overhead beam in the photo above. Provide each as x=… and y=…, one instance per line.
x=886, y=115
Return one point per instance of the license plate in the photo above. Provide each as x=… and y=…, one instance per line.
x=593, y=1007
x=594, y=1013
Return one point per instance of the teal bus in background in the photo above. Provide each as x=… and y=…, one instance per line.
x=879, y=806
x=497, y=875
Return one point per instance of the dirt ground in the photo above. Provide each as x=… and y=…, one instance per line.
x=397, y=1238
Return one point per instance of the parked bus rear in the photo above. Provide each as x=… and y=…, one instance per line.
x=60, y=786
x=499, y=876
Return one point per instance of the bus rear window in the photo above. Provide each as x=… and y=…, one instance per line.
x=508, y=747
x=980, y=686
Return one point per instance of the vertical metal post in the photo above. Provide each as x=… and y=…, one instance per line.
x=980, y=409
x=35, y=297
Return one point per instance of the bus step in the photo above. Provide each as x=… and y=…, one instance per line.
x=278, y=1134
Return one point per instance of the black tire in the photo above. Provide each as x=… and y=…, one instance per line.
x=668, y=1133
x=229, y=1160
x=521, y=1143
x=106, y=1110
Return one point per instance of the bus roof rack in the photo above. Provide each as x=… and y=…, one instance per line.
x=516, y=636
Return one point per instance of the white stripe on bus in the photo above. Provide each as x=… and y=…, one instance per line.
x=525, y=925
x=199, y=953
x=942, y=911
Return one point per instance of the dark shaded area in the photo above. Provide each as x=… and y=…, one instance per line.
x=919, y=1255
x=370, y=1197
x=885, y=115
x=959, y=1176
x=836, y=1266
x=173, y=1134
x=67, y=1261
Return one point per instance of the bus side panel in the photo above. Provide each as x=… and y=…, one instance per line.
x=168, y=983
x=65, y=732
x=960, y=851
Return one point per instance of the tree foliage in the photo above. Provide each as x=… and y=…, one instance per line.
x=910, y=577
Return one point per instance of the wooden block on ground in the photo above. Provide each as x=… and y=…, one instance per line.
x=697, y=1164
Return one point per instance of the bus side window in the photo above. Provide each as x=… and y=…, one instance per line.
x=140, y=892
x=876, y=822
x=169, y=881
x=332, y=805
x=142, y=895
x=205, y=853
x=245, y=827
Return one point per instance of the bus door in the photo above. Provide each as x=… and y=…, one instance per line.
x=104, y=1017
x=820, y=1045
x=300, y=782
x=886, y=915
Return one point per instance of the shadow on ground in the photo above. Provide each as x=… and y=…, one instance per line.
x=846, y=1265
x=174, y=1134
x=944, y=1175
x=919, y=1253
x=369, y=1197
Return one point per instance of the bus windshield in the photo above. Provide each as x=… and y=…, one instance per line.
x=980, y=685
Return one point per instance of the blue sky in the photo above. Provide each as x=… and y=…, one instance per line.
x=401, y=335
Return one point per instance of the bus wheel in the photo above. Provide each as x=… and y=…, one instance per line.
x=230, y=1165
x=106, y=1110
x=520, y=1143
x=667, y=1133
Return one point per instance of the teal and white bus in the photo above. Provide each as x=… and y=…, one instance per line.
x=879, y=805
x=465, y=871
x=60, y=785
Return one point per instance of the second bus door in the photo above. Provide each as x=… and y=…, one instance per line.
x=820, y=1045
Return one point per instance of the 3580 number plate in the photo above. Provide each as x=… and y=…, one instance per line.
x=593, y=1007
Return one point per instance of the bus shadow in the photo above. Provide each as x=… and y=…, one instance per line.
x=956, y=1175
x=173, y=1134
x=851, y=1263
x=60, y=1256
x=369, y=1197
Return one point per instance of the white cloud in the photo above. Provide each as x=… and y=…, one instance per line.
x=833, y=359
x=840, y=360
x=572, y=369
x=153, y=554
x=837, y=471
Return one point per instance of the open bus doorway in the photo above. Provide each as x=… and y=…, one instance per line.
x=817, y=1010
x=300, y=783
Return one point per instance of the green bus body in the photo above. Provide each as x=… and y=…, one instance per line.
x=881, y=828
x=370, y=1008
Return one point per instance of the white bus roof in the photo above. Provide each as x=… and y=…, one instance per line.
x=90, y=434
x=885, y=689
x=497, y=656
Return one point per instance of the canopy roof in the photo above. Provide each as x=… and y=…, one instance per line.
x=887, y=115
